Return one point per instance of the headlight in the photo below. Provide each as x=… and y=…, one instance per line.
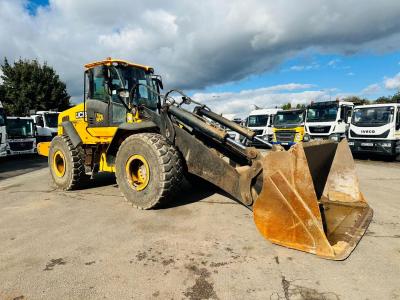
x=297, y=137
x=386, y=145
x=351, y=143
x=335, y=137
x=306, y=137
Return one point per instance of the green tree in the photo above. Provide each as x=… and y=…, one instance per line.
x=396, y=98
x=287, y=106
x=28, y=85
x=300, y=106
x=384, y=99
x=356, y=100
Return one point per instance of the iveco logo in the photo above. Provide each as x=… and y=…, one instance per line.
x=368, y=131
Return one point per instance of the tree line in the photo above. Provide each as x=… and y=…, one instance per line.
x=28, y=85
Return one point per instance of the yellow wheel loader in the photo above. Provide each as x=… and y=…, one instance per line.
x=307, y=198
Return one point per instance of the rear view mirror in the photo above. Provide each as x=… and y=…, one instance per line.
x=123, y=93
x=39, y=121
x=158, y=80
x=398, y=121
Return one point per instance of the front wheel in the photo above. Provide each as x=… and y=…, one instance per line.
x=148, y=170
x=66, y=164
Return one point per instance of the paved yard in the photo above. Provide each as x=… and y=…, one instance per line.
x=91, y=244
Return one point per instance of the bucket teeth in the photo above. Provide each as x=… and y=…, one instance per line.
x=288, y=210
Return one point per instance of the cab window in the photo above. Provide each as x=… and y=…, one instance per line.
x=98, y=90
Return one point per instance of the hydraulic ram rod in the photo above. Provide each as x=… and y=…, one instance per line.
x=249, y=134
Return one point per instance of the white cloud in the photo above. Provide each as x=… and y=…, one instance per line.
x=313, y=66
x=193, y=44
x=350, y=74
x=392, y=83
x=333, y=63
x=371, y=89
x=241, y=103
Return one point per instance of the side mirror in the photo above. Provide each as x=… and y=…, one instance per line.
x=157, y=79
x=398, y=121
x=348, y=119
x=123, y=93
x=40, y=122
x=340, y=121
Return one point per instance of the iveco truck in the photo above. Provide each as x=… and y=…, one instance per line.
x=261, y=121
x=46, y=125
x=327, y=120
x=21, y=135
x=375, y=129
x=288, y=127
x=3, y=132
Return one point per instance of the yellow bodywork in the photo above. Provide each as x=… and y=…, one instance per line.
x=297, y=138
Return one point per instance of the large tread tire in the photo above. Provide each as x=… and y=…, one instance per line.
x=165, y=169
x=74, y=174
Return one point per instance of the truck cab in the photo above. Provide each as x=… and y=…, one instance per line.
x=261, y=121
x=21, y=135
x=288, y=128
x=375, y=129
x=3, y=132
x=327, y=120
x=46, y=125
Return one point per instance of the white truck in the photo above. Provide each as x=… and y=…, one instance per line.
x=46, y=125
x=3, y=132
x=21, y=136
x=327, y=120
x=261, y=121
x=375, y=129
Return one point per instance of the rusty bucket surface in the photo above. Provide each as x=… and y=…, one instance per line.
x=310, y=200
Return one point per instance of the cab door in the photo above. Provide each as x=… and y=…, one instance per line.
x=97, y=99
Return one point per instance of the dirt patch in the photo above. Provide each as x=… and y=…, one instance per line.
x=293, y=291
x=141, y=256
x=202, y=289
x=54, y=262
x=167, y=262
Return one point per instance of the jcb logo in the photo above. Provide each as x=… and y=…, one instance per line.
x=99, y=117
x=80, y=115
x=368, y=131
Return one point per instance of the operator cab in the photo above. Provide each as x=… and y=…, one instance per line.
x=113, y=87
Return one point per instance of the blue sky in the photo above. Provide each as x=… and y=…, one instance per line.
x=229, y=54
x=334, y=73
x=33, y=5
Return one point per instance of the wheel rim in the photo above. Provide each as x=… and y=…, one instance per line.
x=138, y=172
x=59, y=163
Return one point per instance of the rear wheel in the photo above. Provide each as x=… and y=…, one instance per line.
x=67, y=164
x=148, y=170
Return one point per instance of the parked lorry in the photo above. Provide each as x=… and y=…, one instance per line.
x=288, y=128
x=327, y=120
x=3, y=132
x=21, y=135
x=260, y=121
x=375, y=129
x=46, y=125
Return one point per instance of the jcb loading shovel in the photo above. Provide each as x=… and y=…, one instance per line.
x=310, y=200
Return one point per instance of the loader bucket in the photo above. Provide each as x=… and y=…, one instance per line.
x=310, y=200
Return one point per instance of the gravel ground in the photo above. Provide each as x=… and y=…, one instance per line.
x=91, y=244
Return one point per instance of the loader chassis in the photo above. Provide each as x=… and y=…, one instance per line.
x=151, y=142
